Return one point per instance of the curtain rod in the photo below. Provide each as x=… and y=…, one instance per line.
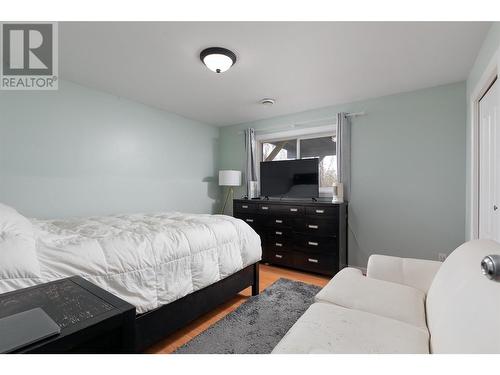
x=311, y=122
x=355, y=114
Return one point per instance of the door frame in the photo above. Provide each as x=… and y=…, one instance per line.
x=490, y=73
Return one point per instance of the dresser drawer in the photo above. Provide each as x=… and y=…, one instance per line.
x=244, y=207
x=289, y=210
x=279, y=233
x=320, y=227
x=325, y=264
x=280, y=221
x=254, y=221
x=277, y=243
x=317, y=244
x=266, y=208
x=322, y=212
x=283, y=258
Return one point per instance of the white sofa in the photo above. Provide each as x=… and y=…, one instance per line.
x=405, y=306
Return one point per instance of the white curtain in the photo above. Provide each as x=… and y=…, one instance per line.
x=344, y=153
x=251, y=160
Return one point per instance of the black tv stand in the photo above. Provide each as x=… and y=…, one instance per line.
x=305, y=234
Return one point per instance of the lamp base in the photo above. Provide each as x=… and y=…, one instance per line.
x=229, y=192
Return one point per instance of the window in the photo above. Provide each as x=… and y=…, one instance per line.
x=324, y=149
x=279, y=150
x=315, y=145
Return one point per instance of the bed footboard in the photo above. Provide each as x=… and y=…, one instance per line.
x=157, y=324
x=255, y=284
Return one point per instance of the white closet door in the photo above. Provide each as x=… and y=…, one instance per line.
x=489, y=166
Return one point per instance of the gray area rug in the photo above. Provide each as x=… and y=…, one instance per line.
x=258, y=324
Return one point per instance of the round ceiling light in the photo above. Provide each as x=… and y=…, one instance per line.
x=217, y=59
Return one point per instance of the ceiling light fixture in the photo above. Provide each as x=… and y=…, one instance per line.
x=217, y=59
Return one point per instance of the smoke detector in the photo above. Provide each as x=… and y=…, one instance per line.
x=268, y=102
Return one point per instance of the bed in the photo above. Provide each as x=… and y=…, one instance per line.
x=172, y=266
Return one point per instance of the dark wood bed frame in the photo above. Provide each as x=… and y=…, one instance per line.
x=157, y=324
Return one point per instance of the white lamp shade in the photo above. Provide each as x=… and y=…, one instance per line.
x=229, y=178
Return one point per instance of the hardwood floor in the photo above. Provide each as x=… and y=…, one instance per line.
x=268, y=275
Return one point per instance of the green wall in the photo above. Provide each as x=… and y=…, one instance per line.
x=490, y=46
x=78, y=151
x=408, y=154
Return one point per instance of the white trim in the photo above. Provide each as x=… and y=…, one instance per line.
x=484, y=82
x=295, y=133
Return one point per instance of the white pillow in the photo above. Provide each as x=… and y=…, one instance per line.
x=18, y=258
x=12, y=221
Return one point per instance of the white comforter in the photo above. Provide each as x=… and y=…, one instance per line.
x=147, y=260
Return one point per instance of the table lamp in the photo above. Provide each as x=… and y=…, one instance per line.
x=229, y=178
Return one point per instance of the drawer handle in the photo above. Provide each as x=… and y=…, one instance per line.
x=279, y=221
x=313, y=243
x=265, y=208
x=313, y=226
x=293, y=209
x=249, y=220
x=320, y=211
x=244, y=206
x=278, y=244
x=278, y=256
x=279, y=233
x=312, y=260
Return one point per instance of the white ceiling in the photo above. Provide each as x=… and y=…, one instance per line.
x=303, y=65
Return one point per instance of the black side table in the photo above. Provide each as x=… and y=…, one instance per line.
x=92, y=320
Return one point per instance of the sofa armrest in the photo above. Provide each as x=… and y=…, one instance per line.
x=417, y=273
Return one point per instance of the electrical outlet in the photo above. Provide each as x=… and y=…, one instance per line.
x=442, y=256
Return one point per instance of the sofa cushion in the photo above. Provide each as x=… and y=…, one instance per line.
x=416, y=273
x=463, y=306
x=327, y=328
x=350, y=289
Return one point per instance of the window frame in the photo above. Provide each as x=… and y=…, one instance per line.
x=298, y=135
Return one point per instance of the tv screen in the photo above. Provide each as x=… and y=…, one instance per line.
x=290, y=178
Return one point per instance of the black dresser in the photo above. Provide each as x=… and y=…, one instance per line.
x=305, y=235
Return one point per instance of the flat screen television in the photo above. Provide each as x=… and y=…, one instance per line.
x=290, y=178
